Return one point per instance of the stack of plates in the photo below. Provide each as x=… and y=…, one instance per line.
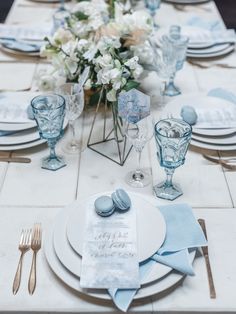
x=218, y=138
x=202, y=43
x=21, y=132
x=63, y=248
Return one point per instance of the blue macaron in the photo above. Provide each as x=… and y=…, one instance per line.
x=104, y=206
x=121, y=200
x=189, y=115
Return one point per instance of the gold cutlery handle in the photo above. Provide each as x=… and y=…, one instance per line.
x=16, y=159
x=207, y=261
x=210, y=277
x=32, y=276
x=17, y=278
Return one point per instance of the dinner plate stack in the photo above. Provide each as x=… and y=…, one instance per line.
x=218, y=132
x=204, y=43
x=63, y=248
x=17, y=131
x=23, y=40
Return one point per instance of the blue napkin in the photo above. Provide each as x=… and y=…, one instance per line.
x=211, y=25
x=222, y=93
x=183, y=232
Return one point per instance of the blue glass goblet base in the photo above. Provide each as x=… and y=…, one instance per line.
x=167, y=191
x=53, y=164
x=171, y=89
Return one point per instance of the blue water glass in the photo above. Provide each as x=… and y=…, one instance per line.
x=153, y=6
x=172, y=138
x=49, y=113
x=178, y=44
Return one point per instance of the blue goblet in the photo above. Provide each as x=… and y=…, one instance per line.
x=152, y=6
x=49, y=113
x=176, y=45
x=172, y=139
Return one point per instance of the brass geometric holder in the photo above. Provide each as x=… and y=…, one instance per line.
x=106, y=136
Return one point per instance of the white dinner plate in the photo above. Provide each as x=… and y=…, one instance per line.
x=209, y=50
x=16, y=126
x=219, y=140
x=174, y=107
x=151, y=227
x=212, y=146
x=72, y=261
x=22, y=146
x=20, y=137
x=72, y=281
x=19, y=53
x=213, y=54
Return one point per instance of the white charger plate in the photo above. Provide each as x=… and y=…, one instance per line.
x=212, y=146
x=151, y=227
x=72, y=281
x=19, y=53
x=72, y=261
x=22, y=146
x=174, y=107
x=20, y=137
x=16, y=126
x=219, y=140
x=213, y=54
x=209, y=50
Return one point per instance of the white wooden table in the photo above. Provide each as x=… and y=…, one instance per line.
x=29, y=194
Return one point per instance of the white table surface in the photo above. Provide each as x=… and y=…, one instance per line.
x=29, y=194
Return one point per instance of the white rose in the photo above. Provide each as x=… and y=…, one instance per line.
x=103, y=77
x=132, y=63
x=137, y=71
x=61, y=36
x=46, y=82
x=104, y=61
x=111, y=95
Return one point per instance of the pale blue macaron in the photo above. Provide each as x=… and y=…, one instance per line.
x=104, y=206
x=189, y=115
x=121, y=200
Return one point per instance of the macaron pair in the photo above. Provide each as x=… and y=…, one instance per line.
x=106, y=205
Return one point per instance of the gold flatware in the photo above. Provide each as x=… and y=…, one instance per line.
x=223, y=162
x=15, y=159
x=35, y=246
x=24, y=246
x=207, y=261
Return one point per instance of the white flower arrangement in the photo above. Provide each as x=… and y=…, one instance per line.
x=109, y=46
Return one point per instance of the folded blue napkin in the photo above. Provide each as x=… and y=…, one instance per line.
x=222, y=93
x=211, y=25
x=183, y=232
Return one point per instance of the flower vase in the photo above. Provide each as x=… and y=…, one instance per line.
x=107, y=136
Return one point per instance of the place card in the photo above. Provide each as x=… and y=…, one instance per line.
x=133, y=105
x=110, y=257
x=224, y=117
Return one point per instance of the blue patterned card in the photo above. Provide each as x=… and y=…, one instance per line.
x=133, y=105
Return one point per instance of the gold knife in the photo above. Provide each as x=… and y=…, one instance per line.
x=15, y=159
x=207, y=261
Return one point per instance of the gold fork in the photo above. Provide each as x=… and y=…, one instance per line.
x=24, y=246
x=35, y=246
